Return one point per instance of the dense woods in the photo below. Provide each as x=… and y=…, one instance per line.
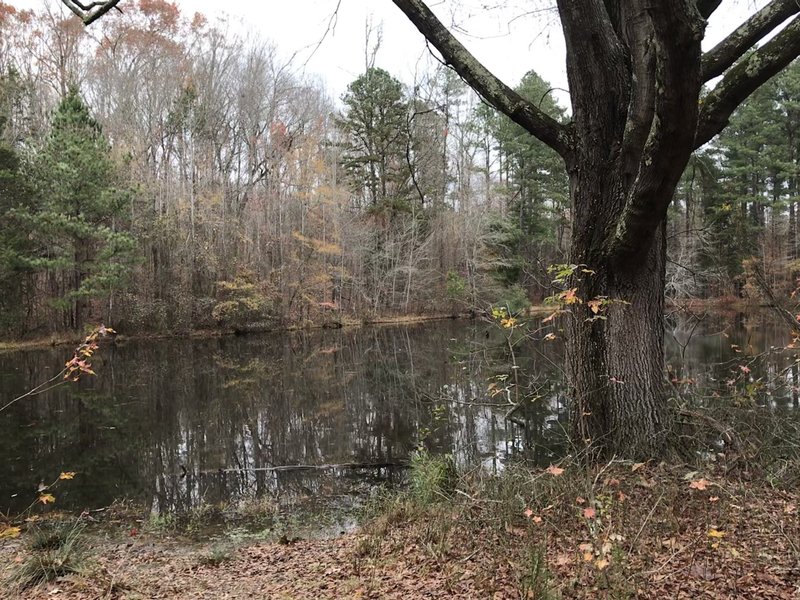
x=162, y=173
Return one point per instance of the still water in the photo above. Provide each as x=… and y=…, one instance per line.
x=176, y=424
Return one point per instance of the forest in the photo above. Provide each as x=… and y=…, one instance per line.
x=165, y=174
x=573, y=370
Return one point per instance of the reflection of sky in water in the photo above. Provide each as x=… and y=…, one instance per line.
x=180, y=423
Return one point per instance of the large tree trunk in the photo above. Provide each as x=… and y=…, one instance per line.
x=615, y=355
x=615, y=358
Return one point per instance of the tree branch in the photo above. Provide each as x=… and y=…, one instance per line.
x=733, y=47
x=744, y=78
x=494, y=91
x=598, y=72
x=640, y=41
x=677, y=34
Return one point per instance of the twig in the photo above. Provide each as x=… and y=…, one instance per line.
x=644, y=524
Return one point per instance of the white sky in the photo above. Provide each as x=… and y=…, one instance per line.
x=510, y=39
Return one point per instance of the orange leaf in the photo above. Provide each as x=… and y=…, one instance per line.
x=570, y=296
x=601, y=564
x=589, y=512
x=700, y=484
x=554, y=470
x=47, y=498
x=67, y=475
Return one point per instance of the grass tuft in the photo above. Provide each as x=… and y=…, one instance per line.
x=52, y=552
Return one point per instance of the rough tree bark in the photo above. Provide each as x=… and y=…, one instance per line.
x=635, y=71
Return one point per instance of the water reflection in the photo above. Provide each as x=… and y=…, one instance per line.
x=180, y=423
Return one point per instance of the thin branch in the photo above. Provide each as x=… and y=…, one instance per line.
x=332, y=21
x=733, y=47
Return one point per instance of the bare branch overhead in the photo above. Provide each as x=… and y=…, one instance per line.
x=494, y=91
x=733, y=47
x=744, y=78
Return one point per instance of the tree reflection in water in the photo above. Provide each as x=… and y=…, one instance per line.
x=181, y=423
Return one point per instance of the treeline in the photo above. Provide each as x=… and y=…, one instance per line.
x=161, y=173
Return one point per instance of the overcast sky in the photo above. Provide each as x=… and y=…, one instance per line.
x=510, y=39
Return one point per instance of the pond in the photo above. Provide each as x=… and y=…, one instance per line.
x=176, y=424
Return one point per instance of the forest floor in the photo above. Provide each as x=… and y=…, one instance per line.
x=619, y=530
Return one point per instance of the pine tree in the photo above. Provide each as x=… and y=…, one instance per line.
x=375, y=124
x=82, y=244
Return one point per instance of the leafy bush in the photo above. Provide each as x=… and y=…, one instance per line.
x=241, y=302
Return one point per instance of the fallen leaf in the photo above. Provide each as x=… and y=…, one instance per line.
x=528, y=513
x=601, y=564
x=713, y=499
x=554, y=470
x=580, y=500
x=671, y=544
x=563, y=559
x=637, y=466
x=715, y=533
x=589, y=512
x=8, y=532
x=789, y=509
x=537, y=519
x=700, y=484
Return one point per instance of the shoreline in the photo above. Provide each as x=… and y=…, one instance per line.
x=72, y=338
